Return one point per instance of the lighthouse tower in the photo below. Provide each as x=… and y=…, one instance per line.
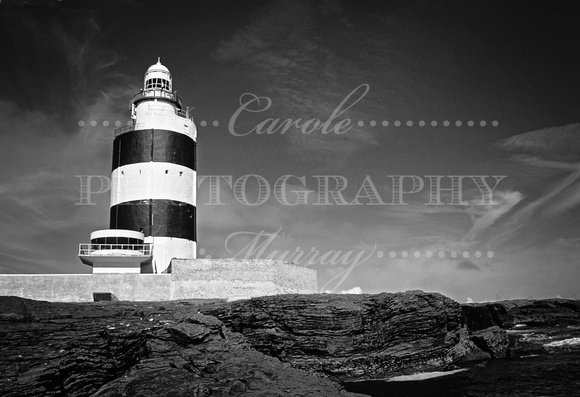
x=153, y=185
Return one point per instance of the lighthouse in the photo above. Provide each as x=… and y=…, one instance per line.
x=153, y=185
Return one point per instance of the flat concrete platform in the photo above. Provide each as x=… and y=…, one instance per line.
x=189, y=279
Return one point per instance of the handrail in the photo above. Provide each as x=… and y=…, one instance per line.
x=151, y=93
x=93, y=249
x=124, y=129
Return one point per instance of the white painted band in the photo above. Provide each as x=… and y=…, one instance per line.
x=164, y=116
x=153, y=180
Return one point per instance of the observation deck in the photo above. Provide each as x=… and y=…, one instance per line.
x=158, y=94
x=117, y=251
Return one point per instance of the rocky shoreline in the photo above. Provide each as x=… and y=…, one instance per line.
x=285, y=345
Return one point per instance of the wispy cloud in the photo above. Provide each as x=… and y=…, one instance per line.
x=550, y=164
x=309, y=60
x=43, y=147
x=557, y=144
x=39, y=187
x=483, y=216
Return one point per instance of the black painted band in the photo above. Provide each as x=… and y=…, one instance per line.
x=158, y=218
x=142, y=146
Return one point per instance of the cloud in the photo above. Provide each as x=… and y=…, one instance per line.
x=308, y=59
x=483, y=216
x=42, y=145
x=60, y=64
x=550, y=165
x=553, y=155
x=39, y=187
x=556, y=144
x=466, y=264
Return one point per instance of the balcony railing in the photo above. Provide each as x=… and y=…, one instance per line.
x=125, y=129
x=150, y=93
x=116, y=249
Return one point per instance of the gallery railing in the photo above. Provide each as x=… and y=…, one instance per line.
x=96, y=249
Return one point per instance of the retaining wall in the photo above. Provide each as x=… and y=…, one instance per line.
x=190, y=279
x=227, y=278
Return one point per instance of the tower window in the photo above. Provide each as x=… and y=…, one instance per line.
x=157, y=83
x=166, y=171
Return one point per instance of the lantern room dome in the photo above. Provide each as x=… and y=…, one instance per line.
x=158, y=77
x=158, y=67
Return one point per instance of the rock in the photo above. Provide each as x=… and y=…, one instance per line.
x=141, y=349
x=507, y=314
x=285, y=345
x=480, y=316
x=467, y=350
x=492, y=340
x=349, y=336
x=522, y=312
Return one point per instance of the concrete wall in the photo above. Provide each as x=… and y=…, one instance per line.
x=190, y=279
x=80, y=287
x=227, y=278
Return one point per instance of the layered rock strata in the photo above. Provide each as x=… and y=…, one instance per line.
x=286, y=345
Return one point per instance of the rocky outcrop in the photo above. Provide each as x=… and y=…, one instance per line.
x=286, y=345
x=507, y=314
x=523, y=312
x=360, y=336
x=145, y=349
x=483, y=344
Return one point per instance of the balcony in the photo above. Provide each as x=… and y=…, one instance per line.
x=158, y=94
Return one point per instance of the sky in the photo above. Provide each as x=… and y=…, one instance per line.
x=375, y=108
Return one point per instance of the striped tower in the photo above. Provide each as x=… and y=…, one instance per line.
x=153, y=184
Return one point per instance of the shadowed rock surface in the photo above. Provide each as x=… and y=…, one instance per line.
x=507, y=314
x=522, y=312
x=136, y=349
x=351, y=337
x=287, y=345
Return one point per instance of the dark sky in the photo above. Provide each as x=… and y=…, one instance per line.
x=503, y=75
